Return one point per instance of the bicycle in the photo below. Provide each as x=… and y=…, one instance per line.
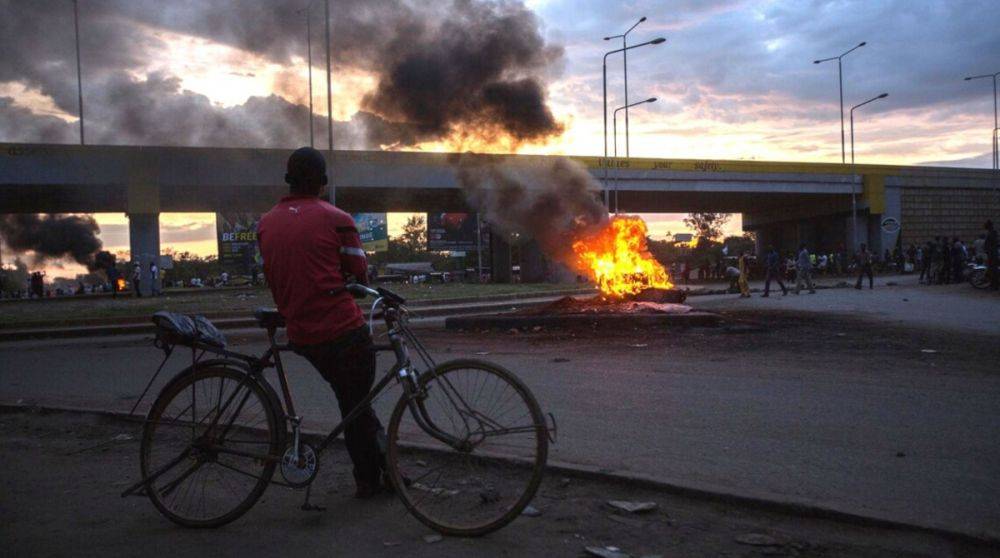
x=218, y=430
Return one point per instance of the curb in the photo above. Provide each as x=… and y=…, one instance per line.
x=638, y=480
x=248, y=322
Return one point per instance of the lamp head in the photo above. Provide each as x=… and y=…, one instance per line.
x=816, y=61
x=968, y=78
x=651, y=100
x=862, y=43
x=657, y=41
x=642, y=19
x=883, y=95
x=607, y=38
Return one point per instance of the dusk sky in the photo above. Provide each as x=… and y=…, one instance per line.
x=735, y=79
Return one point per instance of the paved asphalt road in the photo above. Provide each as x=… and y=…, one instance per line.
x=70, y=507
x=846, y=415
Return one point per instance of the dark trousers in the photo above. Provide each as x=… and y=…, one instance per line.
x=925, y=271
x=775, y=275
x=991, y=271
x=348, y=365
x=866, y=269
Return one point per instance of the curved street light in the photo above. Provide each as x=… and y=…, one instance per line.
x=996, y=145
x=624, y=37
x=604, y=82
x=614, y=126
x=840, y=79
x=854, y=175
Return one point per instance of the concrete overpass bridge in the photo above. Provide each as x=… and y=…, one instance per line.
x=785, y=203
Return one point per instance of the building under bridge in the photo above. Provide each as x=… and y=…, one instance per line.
x=784, y=203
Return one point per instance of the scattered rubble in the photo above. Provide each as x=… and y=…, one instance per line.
x=632, y=507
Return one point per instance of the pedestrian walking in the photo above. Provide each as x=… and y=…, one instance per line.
x=137, y=279
x=154, y=276
x=744, y=279
x=925, y=257
x=865, y=267
x=803, y=271
x=945, y=272
x=773, y=273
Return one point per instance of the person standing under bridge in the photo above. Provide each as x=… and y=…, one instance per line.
x=773, y=272
x=311, y=250
x=744, y=279
x=803, y=271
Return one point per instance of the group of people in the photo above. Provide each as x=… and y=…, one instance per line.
x=940, y=261
x=943, y=260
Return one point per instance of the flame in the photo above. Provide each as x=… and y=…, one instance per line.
x=617, y=259
x=120, y=284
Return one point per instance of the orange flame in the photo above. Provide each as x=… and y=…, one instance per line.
x=120, y=284
x=617, y=259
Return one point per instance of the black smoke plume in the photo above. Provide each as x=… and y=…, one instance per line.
x=465, y=69
x=553, y=202
x=473, y=76
x=53, y=237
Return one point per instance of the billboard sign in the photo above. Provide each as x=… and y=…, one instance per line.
x=237, y=236
x=451, y=232
x=373, y=230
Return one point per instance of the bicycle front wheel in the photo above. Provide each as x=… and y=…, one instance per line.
x=209, y=447
x=489, y=469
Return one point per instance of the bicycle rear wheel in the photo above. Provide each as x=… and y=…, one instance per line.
x=484, y=481
x=193, y=426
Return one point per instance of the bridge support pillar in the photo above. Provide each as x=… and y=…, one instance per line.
x=534, y=267
x=500, y=258
x=144, y=245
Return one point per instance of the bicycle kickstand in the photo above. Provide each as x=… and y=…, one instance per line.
x=306, y=506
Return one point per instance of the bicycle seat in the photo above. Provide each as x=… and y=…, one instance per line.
x=269, y=318
x=185, y=330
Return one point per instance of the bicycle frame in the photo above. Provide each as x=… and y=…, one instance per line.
x=398, y=334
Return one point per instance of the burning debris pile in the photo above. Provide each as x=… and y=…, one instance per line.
x=616, y=257
x=557, y=205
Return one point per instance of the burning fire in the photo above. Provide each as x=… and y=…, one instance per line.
x=617, y=259
x=120, y=284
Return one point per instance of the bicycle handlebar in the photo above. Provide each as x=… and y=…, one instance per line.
x=361, y=290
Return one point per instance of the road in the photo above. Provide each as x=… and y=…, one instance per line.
x=63, y=473
x=877, y=415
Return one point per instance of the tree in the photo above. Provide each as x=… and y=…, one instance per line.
x=414, y=236
x=707, y=225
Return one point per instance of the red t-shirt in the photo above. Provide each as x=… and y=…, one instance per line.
x=309, y=247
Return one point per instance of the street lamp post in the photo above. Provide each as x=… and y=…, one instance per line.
x=79, y=78
x=312, y=141
x=996, y=146
x=854, y=175
x=614, y=127
x=331, y=190
x=624, y=37
x=840, y=79
x=604, y=83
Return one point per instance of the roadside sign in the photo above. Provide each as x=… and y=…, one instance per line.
x=890, y=225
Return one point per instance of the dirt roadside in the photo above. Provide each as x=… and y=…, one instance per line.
x=63, y=473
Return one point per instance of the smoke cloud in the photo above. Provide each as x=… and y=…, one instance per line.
x=53, y=237
x=553, y=203
x=468, y=70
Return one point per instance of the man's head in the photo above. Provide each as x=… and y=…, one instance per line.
x=306, y=174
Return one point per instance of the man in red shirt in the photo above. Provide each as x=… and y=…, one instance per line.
x=311, y=249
